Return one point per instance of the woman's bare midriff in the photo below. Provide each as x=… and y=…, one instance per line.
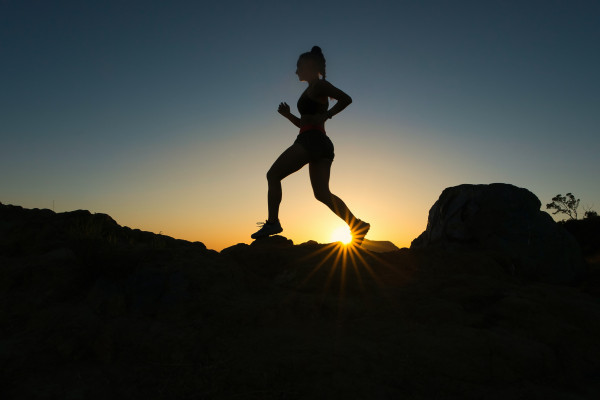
x=311, y=119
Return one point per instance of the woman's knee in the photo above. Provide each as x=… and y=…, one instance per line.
x=273, y=176
x=323, y=195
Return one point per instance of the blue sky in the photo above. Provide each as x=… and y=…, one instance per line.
x=163, y=114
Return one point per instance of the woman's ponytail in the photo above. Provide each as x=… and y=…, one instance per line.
x=316, y=50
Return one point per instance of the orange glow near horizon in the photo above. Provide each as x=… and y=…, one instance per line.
x=321, y=227
x=176, y=192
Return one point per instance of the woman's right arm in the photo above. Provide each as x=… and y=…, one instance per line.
x=284, y=110
x=293, y=119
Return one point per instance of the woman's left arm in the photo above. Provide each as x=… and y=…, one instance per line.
x=343, y=100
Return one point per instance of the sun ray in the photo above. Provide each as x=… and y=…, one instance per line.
x=344, y=253
x=333, y=269
x=332, y=250
x=367, y=267
x=356, y=270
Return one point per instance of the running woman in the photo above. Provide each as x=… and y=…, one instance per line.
x=312, y=146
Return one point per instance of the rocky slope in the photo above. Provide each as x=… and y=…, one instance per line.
x=92, y=310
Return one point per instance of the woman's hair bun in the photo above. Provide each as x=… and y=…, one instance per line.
x=315, y=54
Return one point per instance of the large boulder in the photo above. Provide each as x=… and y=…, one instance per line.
x=506, y=221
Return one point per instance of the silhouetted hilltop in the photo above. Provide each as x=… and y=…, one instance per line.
x=94, y=310
x=35, y=231
x=379, y=246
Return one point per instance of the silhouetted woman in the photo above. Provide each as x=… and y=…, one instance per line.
x=312, y=146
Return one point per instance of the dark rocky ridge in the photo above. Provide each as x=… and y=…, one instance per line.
x=94, y=310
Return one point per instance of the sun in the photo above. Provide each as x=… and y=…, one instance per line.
x=341, y=234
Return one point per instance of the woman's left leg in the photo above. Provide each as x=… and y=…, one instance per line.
x=319, y=178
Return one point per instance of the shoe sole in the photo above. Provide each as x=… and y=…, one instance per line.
x=265, y=235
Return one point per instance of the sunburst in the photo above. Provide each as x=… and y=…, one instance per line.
x=342, y=234
x=340, y=269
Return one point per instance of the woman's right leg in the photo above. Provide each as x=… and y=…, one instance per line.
x=290, y=161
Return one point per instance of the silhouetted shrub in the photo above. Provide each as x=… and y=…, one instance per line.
x=564, y=204
x=590, y=214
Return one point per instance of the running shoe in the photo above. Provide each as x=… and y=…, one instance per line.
x=359, y=231
x=267, y=229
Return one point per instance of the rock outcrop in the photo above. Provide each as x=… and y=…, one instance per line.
x=506, y=221
x=92, y=310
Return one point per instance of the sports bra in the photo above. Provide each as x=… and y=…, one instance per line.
x=306, y=105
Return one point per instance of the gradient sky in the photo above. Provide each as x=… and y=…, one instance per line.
x=163, y=114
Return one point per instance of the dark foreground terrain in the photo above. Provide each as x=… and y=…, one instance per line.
x=92, y=310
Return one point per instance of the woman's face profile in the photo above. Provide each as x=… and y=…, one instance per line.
x=306, y=68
